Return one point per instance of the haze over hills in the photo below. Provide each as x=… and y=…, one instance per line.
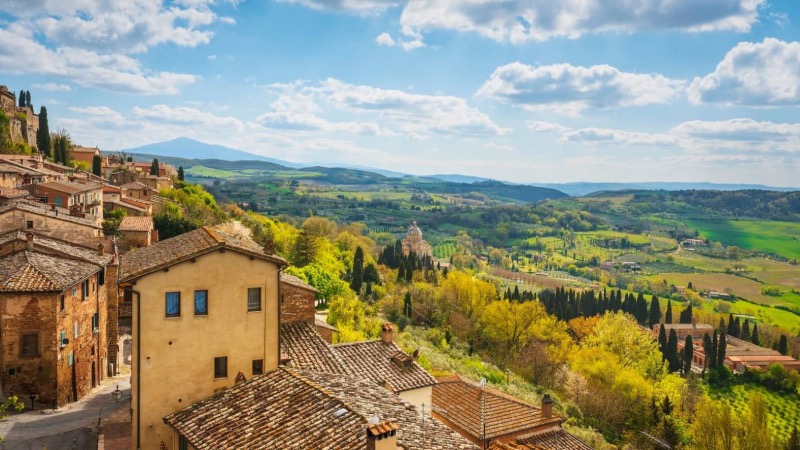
x=188, y=148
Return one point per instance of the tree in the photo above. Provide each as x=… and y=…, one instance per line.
x=111, y=221
x=794, y=440
x=686, y=315
x=407, y=309
x=754, y=337
x=745, y=331
x=668, y=317
x=672, y=351
x=43, y=135
x=401, y=272
x=666, y=406
x=97, y=165
x=180, y=173
x=655, y=312
x=783, y=345
x=662, y=340
x=688, y=353
x=28, y=99
x=707, y=350
x=61, y=145
x=755, y=433
x=689, y=286
x=721, y=348
x=21, y=99
x=154, y=167
x=358, y=270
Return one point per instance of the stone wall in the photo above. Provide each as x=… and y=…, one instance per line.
x=112, y=307
x=296, y=304
x=64, y=229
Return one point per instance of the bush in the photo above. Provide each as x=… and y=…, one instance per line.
x=773, y=291
x=722, y=307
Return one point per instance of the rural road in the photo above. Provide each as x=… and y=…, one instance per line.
x=73, y=426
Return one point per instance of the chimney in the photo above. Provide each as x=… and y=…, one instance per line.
x=101, y=249
x=29, y=237
x=387, y=333
x=547, y=406
x=382, y=435
x=53, y=206
x=694, y=322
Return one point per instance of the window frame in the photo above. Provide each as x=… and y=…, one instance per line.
x=167, y=314
x=258, y=364
x=22, y=347
x=250, y=307
x=201, y=291
x=220, y=367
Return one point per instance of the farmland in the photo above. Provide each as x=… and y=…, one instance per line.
x=784, y=409
x=780, y=238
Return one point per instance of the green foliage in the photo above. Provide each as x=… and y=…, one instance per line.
x=43, y=135
x=181, y=175
x=111, y=221
x=97, y=165
x=154, y=167
x=771, y=290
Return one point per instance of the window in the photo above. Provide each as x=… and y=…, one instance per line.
x=173, y=304
x=95, y=321
x=183, y=444
x=30, y=345
x=69, y=359
x=75, y=326
x=101, y=277
x=258, y=366
x=221, y=367
x=74, y=292
x=254, y=299
x=85, y=288
x=200, y=303
x=62, y=339
x=30, y=224
x=59, y=202
x=61, y=302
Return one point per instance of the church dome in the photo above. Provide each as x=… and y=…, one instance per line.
x=413, y=230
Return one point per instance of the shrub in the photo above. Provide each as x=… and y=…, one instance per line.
x=771, y=290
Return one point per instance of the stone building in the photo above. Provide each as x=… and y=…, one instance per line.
x=22, y=122
x=51, y=221
x=53, y=314
x=137, y=232
x=84, y=154
x=85, y=196
x=414, y=242
x=205, y=309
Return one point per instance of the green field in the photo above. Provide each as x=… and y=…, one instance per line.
x=203, y=171
x=780, y=238
x=784, y=409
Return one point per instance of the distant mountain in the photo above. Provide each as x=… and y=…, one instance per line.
x=190, y=149
x=456, y=178
x=585, y=188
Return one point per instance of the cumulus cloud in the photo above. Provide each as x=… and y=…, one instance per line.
x=385, y=39
x=53, y=87
x=741, y=130
x=412, y=40
x=547, y=127
x=617, y=137
x=753, y=74
x=519, y=21
x=100, y=114
x=183, y=115
x=569, y=89
x=352, y=6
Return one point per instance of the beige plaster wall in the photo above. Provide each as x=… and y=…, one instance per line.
x=177, y=354
x=418, y=396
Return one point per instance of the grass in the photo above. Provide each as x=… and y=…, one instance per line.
x=780, y=238
x=739, y=286
x=203, y=171
x=784, y=409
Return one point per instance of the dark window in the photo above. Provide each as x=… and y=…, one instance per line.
x=101, y=277
x=254, y=299
x=258, y=366
x=183, y=444
x=127, y=295
x=30, y=345
x=30, y=224
x=85, y=288
x=201, y=303
x=221, y=367
x=173, y=301
x=95, y=321
x=61, y=302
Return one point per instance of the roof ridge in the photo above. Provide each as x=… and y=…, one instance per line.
x=44, y=274
x=325, y=391
x=213, y=234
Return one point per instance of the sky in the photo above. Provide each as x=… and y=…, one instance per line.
x=533, y=91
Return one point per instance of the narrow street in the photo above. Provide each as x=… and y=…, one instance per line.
x=73, y=426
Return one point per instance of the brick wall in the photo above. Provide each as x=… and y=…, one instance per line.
x=296, y=304
x=112, y=307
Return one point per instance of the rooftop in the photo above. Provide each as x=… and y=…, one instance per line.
x=372, y=360
x=290, y=408
x=308, y=350
x=31, y=271
x=69, y=187
x=558, y=439
x=79, y=149
x=186, y=246
x=136, y=223
x=294, y=281
x=54, y=246
x=134, y=185
x=42, y=209
x=459, y=401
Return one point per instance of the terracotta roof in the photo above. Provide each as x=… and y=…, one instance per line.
x=57, y=247
x=44, y=210
x=308, y=350
x=687, y=326
x=372, y=360
x=134, y=185
x=6, y=167
x=110, y=200
x=558, y=439
x=322, y=324
x=186, y=246
x=293, y=409
x=13, y=193
x=30, y=271
x=69, y=187
x=80, y=149
x=459, y=401
x=294, y=281
x=136, y=223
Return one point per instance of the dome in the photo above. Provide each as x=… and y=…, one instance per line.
x=413, y=229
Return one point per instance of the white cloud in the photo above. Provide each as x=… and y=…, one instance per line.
x=53, y=87
x=21, y=54
x=753, y=74
x=353, y=6
x=547, y=127
x=569, y=89
x=739, y=130
x=518, y=21
x=385, y=39
x=619, y=137
x=100, y=114
x=183, y=115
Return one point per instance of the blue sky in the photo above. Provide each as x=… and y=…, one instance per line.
x=526, y=91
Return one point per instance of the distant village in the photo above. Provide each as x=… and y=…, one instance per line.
x=224, y=350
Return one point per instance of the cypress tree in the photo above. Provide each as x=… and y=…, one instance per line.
x=358, y=270
x=43, y=135
x=21, y=99
x=407, y=310
x=409, y=273
x=641, y=310
x=689, y=286
x=783, y=345
x=723, y=345
x=97, y=165
x=668, y=316
x=154, y=167
x=754, y=338
x=722, y=326
x=707, y=351
x=401, y=273
x=688, y=353
x=180, y=173
x=745, y=331
x=737, y=328
x=731, y=325
x=28, y=99
x=672, y=351
x=712, y=356
x=654, y=410
x=655, y=312
x=666, y=406
x=662, y=340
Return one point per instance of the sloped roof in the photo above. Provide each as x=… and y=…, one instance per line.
x=372, y=360
x=308, y=350
x=29, y=271
x=558, y=439
x=136, y=223
x=46, y=244
x=134, y=185
x=459, y=400
x=186, y=246
x=80, y=149
x=44, y=210
x=295, y=281
x=69, y=187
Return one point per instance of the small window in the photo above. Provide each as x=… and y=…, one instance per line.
x=173, y=302
x=74, y=292
x=183, y=444
x=200, y=303
x=62, y=339
x=101, y=277
x=61, y=302
x=69, y=359
x=258, y=366
x=221, y=367
x=254, y=299
x=75, y=326
x=30, y=345
x=85, y=288
x=30, y=224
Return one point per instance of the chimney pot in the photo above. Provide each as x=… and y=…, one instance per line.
x=382, y=435
x=29, y=237
x=694, y=321
x=387, y=333
x=101, y=249
x=547, y=406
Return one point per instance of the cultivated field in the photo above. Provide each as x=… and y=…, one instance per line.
x=780, y=238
